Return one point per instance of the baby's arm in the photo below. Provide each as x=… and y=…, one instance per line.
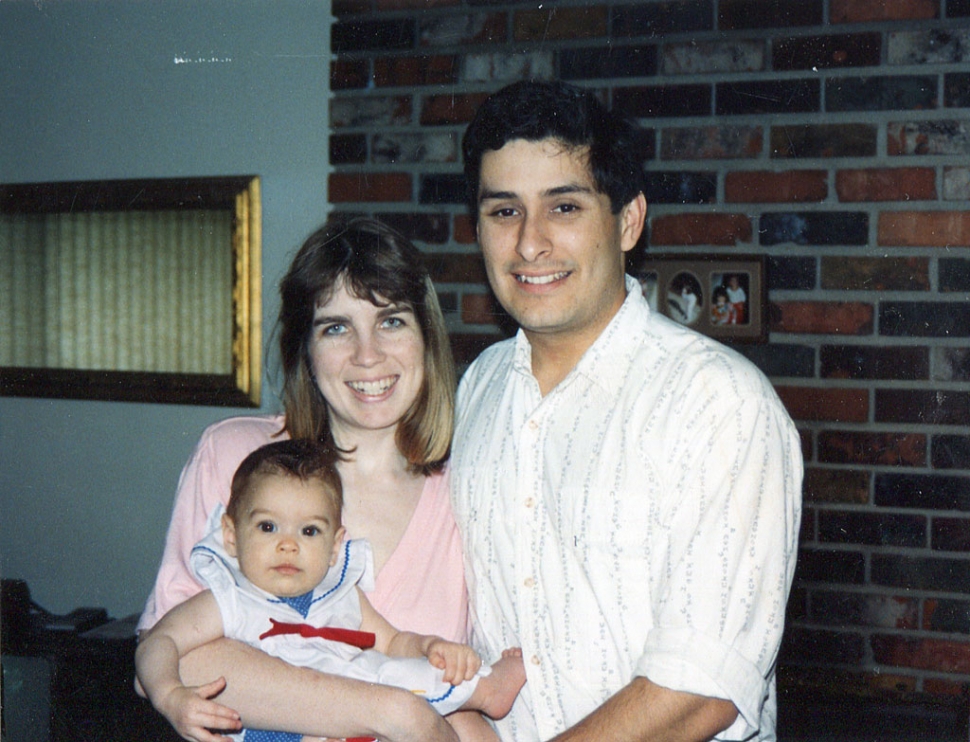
x=458, y=661
x=187, y=626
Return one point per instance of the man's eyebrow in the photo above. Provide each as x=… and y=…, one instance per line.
x=487, y=195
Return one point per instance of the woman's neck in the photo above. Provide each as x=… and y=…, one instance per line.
x=373, y=458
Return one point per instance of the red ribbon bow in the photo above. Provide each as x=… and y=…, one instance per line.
x=360, y=639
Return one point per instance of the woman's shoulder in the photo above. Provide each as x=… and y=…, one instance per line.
x=243, y=431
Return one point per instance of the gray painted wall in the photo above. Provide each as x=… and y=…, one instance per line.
x=129, y=89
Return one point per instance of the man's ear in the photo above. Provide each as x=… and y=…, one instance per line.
x=632, y=218
x=229, y=535
x=338, y=540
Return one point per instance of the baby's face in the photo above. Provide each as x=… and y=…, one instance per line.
x=287, y=536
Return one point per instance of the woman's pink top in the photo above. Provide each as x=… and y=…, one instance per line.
x=421, y=586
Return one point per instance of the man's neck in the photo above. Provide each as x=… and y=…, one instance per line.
x=555, y=355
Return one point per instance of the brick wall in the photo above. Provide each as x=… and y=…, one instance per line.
x=833, y=137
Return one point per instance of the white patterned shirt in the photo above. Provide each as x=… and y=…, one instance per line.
x=641, y=519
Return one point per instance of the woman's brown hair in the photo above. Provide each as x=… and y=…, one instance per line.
x=380, y=265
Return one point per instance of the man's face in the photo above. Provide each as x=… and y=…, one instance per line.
x=553, y=250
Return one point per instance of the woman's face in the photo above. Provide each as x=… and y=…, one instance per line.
x=368, y=362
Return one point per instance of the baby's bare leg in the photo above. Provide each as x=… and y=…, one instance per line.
x=496, y=692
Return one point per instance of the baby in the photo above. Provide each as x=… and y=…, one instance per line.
x=281, y=577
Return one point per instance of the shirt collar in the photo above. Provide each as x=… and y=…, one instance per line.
x=606, y=361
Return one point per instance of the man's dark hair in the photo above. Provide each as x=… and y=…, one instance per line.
x=534, y=111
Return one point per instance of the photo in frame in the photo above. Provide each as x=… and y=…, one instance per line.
x=722, y=296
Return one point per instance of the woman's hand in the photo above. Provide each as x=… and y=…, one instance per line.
x=192, y=714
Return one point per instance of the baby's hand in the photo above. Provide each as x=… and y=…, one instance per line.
x=459, y=661
x=192, y=714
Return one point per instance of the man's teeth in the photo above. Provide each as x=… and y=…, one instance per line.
x=538, y=280
x=371, y=387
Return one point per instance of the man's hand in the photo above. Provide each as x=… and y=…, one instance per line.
x=192, y=714
x=459, y=661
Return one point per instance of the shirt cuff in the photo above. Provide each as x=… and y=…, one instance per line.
x=684, y=660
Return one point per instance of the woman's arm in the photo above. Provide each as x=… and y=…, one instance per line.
x=270, y=694
x=188, y=709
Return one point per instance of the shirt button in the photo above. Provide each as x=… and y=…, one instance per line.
x=533, y=425
x=529, y=582
x=530, y=502
x=535, y=660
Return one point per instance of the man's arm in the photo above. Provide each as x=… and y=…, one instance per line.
x=645, y=711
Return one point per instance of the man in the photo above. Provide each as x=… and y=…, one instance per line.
x=628, y=491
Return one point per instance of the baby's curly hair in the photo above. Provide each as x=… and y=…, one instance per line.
x=301, y=459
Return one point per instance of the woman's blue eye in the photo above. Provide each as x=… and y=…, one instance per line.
x=394, y=322
x=334, y=329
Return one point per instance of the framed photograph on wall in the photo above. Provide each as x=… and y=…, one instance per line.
x=722, y=296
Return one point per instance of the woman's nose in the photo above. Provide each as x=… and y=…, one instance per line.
x=367, y=350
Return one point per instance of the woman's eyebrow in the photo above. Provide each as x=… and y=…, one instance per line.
x=326, y=319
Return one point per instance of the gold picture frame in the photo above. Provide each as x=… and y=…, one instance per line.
x=232, y=203
x=723, y=296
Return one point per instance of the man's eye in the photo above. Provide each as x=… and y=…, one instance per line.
x=566, y=208
x=311, y=531
x=266, y=527
x=503, y=212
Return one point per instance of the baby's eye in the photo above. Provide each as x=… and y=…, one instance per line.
x=311, y=531
x=266, y=526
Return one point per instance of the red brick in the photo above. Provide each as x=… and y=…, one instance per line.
x=479, y=309
x=456, y=267
x=805, y=440
x=794, y=186
x=836, y=485
x=886, y=184
x=861, y=11
x=831, y=404
x=700, y=229
x=413, y=4
x=711, y=142
x=348, y=7
x=348, y=187
x=551, y=24
x=464, y=230
x=454, y=30
x=441, y=69
x=875, y=274
x=467, y=345
x=822, y=317
x=924, y=229
x=438, y=110
x=938, y=655
x=348, y=75
x=941, y=687
x=877, y=449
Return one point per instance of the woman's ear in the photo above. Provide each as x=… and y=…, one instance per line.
x=229, y=535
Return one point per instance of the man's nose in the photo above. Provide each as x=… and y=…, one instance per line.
x=534, y=241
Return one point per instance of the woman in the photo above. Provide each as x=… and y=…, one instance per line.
x=367, y=368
